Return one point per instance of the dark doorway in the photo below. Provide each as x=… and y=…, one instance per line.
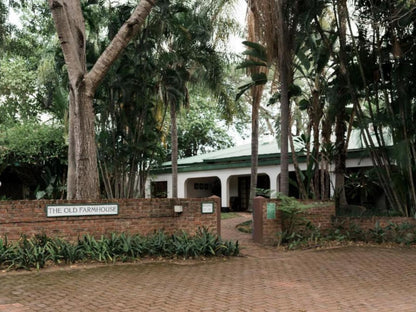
x=159, y=189
x=241, y=202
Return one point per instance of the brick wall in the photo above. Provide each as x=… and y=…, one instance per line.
x=367, y=223
x=141, y=216
x=265, y=228
x=320, y=214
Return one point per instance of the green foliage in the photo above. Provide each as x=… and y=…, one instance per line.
x=309, y=236
x=6, y=251
x=36, y=154
x=31, y=143
x=29, y=253
x=200, y=129
x=257, y=58
x=37, y=251
x=228, y=215
x=246, y=226
x=17, y=87
x=292, y=213
x=295, y=224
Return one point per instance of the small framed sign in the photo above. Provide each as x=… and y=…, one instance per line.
x=271, y=210
x=207, y=207
x=69, y=210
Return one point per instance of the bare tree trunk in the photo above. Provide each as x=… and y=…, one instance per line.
x=174, y=155
x=83, y=181
x=340, y=127
x=284, y=65
x=86, y=173
x=258, y=90
x=301, y=187
x=325, y=158
x=71, y=176
x=316, y=117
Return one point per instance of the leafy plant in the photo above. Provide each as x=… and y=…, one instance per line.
x=6, y=251
x=38, y=250
x=31, y=252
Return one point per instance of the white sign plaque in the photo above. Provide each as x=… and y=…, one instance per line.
x=81, y=210
x=207, y=208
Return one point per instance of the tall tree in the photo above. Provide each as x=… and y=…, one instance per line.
x=340, y=128
x=188, y=56
x=257, y=72
x=257, y=66
x=281, y=25
x=83, y=180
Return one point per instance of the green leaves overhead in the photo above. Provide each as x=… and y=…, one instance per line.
x=256, y=80
x=257, y=58
x=256, y=50
x=31, y=143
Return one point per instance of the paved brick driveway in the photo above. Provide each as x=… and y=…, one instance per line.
x=342, y=279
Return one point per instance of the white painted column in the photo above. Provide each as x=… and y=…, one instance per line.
x=225, y=191
x=273, y=184
x=331, y=184
x=181, y=186
x=277, y=184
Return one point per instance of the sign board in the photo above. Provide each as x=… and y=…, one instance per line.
x=271, y=210
x=81, y=210
x=207, y=207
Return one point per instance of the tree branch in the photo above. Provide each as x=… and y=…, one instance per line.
x=70, y=27
x=129, y=29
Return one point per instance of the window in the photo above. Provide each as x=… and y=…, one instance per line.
x=159, y=189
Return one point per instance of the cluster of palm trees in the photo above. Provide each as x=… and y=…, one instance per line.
x=332, y=66
x=172, y=46
x=344, y=65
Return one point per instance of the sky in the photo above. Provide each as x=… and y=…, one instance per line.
x=240, y=15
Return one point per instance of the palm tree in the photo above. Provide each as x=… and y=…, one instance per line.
x=187, y=56
x=278, y=25
x=257, y=66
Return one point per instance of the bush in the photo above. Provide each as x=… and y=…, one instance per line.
x=40, y=249
x=308, y=236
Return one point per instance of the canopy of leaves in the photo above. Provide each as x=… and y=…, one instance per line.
x=200, y=130
x=32, y=144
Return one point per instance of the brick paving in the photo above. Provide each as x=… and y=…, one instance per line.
x=340, y=279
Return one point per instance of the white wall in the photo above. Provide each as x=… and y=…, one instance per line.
x=229, y=179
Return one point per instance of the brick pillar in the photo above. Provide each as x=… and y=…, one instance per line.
x=217, y=211
x=258, y=219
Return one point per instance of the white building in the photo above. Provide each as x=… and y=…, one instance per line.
x=226, y=173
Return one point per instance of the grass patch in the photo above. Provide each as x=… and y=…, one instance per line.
x=246, y=226
x=229, y=215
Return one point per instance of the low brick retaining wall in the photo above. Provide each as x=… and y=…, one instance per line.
x=367, y=223
x=140, y=216
x=266, y=223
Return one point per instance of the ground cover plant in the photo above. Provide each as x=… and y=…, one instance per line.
x=298, y=232
x=39, y=250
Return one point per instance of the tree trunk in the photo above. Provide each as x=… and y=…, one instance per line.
x=71, y=176
x=86, y=171
x=284, y=65
x=301, y=186
x=340, y=127
x=257, y=91
x=83, y=181
x=316, y=119
x=174, y=155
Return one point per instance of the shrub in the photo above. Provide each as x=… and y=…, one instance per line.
x=38, y=250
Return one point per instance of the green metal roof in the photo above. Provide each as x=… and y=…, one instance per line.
x=237, y=157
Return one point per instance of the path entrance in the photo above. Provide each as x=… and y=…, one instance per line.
x=340, y=279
